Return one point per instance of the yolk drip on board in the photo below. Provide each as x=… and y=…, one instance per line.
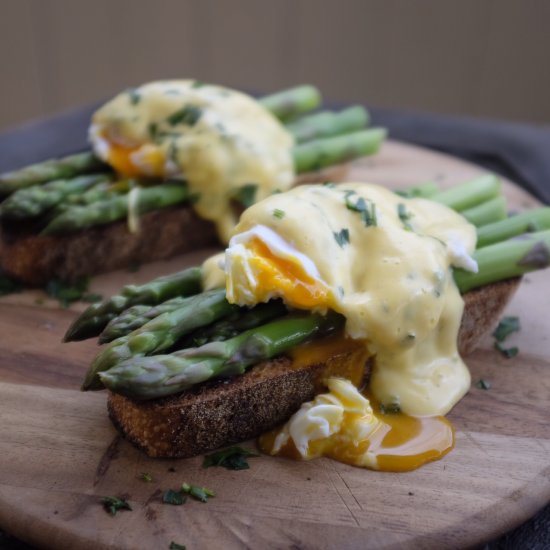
x=216, y=139
x=385, y=263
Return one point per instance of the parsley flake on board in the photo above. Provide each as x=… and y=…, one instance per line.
x=144, y=476
x=198, y=493
x=483, y=384
x=246, y=195
x=342, y=237
x=176, y=546
x=114, y=504
x=67, y=293
x=232, y=458
x=507, y=352
x=176, y=498
x=189, y=115
x=506, y=326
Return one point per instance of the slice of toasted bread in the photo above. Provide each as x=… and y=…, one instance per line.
x=35, y=259
x=227, y=411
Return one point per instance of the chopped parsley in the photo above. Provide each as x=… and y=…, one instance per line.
x=507, y=352
x=329, y=184
x=144, y=476
x=342, y=237
x=404, y=216
x=176, y=498
x=506, y=326
x=67, y=293
x=176, y=546
x=483, y=384
x=114, y=504
x=198, y=84
x=189, y=115
x=198, y=493
x=153, y=130
x=390, y=408
x=232, y=458
x=278, y=213
x=246, y=195
x=135, y=96
x=367, y=213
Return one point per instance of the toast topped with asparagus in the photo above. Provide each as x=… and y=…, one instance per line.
x=190, y=372
x=147, y=183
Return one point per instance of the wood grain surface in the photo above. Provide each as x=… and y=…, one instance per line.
x=59, y=453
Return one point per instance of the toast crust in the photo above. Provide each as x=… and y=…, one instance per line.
x=35, y=259
x=223, y=412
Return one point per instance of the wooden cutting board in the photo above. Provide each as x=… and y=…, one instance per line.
x=59, y=453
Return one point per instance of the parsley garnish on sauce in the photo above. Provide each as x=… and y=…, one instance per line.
x=232, y=458
x=342, y=237
x=190, y=115
x=114, y=504
x=279, y=214
x=404, y=216
x=390, y=408
x=367, y=213
x=135, y=96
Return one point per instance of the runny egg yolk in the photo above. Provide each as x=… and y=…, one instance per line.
x=343, y=425
x=122, y=159
x=288, y=277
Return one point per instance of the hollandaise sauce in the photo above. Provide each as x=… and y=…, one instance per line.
x=222, y=142
x=385, y=263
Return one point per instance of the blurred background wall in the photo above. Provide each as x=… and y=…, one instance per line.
x=476, y=57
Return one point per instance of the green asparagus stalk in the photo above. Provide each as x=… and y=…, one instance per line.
x=66, y=167
x=135, y=317
x=34, y=201
x=320, y=153
x=486, y=212
x=422, y=190
x=161, y=333
x=92, y=321
x=328, y=123
x=506, y=259
x=526, y=222
x=149, y=198
x=241, y=320
x=292, y=102
x=469, y=194
x=159, y=375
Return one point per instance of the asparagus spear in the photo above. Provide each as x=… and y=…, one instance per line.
x=160, y=333
x=526, y=222
x=422, y=190
x=34, y=201
x=159, y=375
x=320, y=153
x=506, y=259
x=469, y=194
x=135, y=317
x=66, y=167
x=328, y=123
x=292, y=102
x=95, y=318
x=77, y=218
x=486, y=212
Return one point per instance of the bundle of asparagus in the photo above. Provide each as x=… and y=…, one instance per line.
x=74, y=193
x=166, y=336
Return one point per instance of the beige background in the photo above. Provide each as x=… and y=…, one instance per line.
x=479, y=57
